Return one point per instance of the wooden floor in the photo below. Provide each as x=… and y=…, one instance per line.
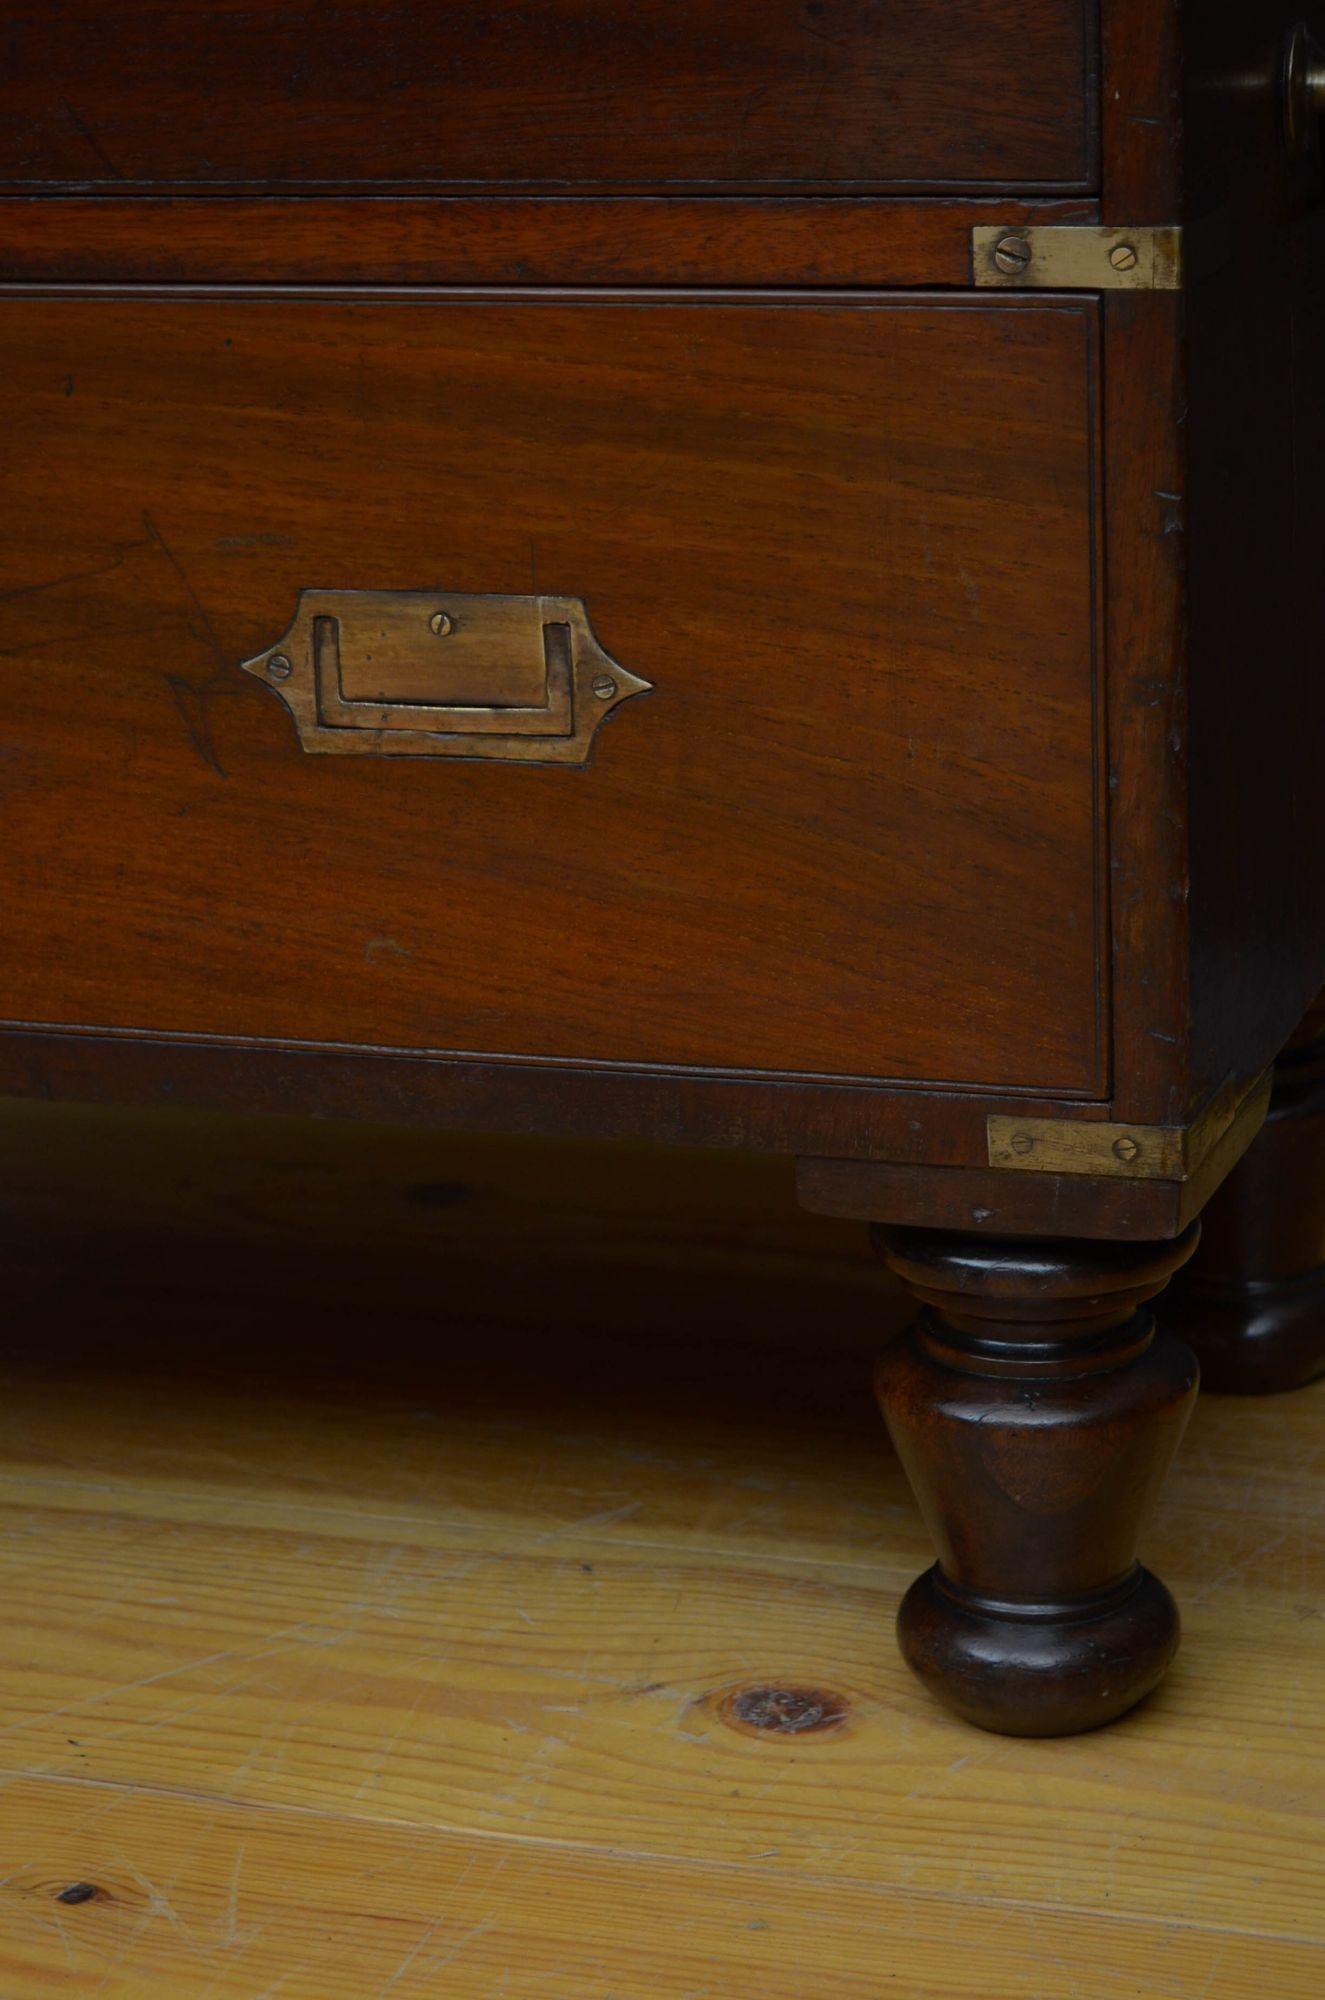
x=355, y=1646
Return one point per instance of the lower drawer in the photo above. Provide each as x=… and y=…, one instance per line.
x=852, y=827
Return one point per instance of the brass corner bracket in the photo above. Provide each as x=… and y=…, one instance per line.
x=1128, y=1152
x=1076, y=257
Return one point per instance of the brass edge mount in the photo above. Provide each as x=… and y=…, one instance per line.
x=1127, y=1152
x=1067, y=257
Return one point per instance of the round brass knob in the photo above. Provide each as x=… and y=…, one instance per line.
x=1303, y=91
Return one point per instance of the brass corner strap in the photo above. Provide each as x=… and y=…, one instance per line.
x=1068, y=257
x=1129, y=1152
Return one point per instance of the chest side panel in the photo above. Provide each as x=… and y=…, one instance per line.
x=1256, y=385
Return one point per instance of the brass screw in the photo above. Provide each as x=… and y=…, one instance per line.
x=1123, y=256
x=279, y=667
x=1023, y=1143
x=441, y=623
x=604, y=687
x=1012, y=254
x=1125, y=1149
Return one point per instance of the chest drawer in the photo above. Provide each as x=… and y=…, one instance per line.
x=569, y=94
x=848, y=542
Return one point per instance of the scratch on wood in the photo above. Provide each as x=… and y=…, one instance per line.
x=191, y=704
x=232, y=1897
x=90, y=140
x=190, y=698
x=122, y=549
x=410, y=1956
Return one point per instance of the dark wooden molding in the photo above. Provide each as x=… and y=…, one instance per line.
x=502, y=240
x=758, y=1113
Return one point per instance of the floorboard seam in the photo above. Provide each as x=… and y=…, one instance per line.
x=603, y=1852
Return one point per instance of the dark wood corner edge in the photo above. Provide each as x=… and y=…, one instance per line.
x=1002, y=1200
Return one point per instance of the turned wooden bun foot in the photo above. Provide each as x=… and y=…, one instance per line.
x=1252, y=1302
x=1035, y=1406
x=1255, y=1339
x=1052, y=1671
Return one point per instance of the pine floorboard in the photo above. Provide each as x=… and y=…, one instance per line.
x=365, y=1651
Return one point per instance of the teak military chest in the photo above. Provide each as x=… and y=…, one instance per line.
x=741, y=574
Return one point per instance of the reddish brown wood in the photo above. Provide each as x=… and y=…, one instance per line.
x=1145, y=647
x=866, y=780
x=496, y=240
x=1184, y=1012
x=661, y=93
x=677, y=1107
x=1145, y=609
x=1141, y=107
x=1035, y=1407
x=1252, y=1301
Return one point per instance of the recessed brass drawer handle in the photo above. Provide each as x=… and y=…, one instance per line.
x=413, y=673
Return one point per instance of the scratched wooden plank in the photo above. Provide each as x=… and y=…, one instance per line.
x=197, y=1900
x=507, y=1440
x=502, y=1589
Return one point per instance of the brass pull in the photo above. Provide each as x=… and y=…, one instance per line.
x=1303, y=90
x=413, y=673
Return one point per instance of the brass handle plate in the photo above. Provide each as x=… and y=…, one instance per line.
x=413, y=673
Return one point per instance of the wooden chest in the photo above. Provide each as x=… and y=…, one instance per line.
x=746, y=575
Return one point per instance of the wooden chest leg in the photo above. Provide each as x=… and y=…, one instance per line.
x=1252, y=1303
x=1035, y=1406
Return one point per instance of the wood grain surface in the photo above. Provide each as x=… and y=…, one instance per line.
x=503, y=240
x=339, y=1667
x=663, y=93
x=576, y=143
x=850, y=541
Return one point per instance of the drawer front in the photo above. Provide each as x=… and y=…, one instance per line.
x=832, y=557
x=554, y=94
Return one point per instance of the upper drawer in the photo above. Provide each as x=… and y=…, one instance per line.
x=585, y=94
